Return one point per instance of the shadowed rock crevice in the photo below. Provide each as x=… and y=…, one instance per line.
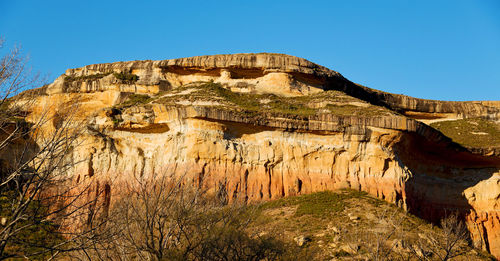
x=446, y=181
x=253, y=127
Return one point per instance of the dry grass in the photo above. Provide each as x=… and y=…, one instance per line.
x=346, y=225
x=332, y=102
x=91, y=77
x=476, y=132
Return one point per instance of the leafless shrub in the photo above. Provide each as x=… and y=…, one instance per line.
x=451, y=242
x=385, y=239
x=36, y=194
x=163, y=219
x=392, y=238
x=388, y=224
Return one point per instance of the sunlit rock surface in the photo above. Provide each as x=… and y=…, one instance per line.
x=254, y=154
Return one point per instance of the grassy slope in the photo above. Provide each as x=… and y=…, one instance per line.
x=479, y=133
x=334, y=102
x=346, y=224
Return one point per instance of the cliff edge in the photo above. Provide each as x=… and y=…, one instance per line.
x=266, y=126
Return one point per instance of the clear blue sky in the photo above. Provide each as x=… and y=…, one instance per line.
x=436, y=49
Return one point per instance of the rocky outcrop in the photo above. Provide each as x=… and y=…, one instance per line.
x=282, y=74
x=269, y=73
x=420, y=109
x=267, y=155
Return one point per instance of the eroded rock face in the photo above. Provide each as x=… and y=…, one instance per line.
x=271, y=155
x=251, y=163
x=266, y=73
x=281, y=74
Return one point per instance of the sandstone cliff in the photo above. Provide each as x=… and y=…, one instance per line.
x=265, y=126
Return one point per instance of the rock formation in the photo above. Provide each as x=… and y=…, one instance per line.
x=265, y=126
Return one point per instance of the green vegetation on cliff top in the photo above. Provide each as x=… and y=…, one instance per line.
x=333, y=102
x=124, y=77
x=476, y=132
x=91, y=77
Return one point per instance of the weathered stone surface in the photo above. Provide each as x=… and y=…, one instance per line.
x=268, y=73
x=301, y=240
x=272, y=155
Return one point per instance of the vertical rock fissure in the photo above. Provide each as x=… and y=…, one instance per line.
x=201, y=176
x=246, y=185
x=91, y=166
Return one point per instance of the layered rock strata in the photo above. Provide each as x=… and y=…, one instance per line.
x=267, y=155
x=273, y=73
